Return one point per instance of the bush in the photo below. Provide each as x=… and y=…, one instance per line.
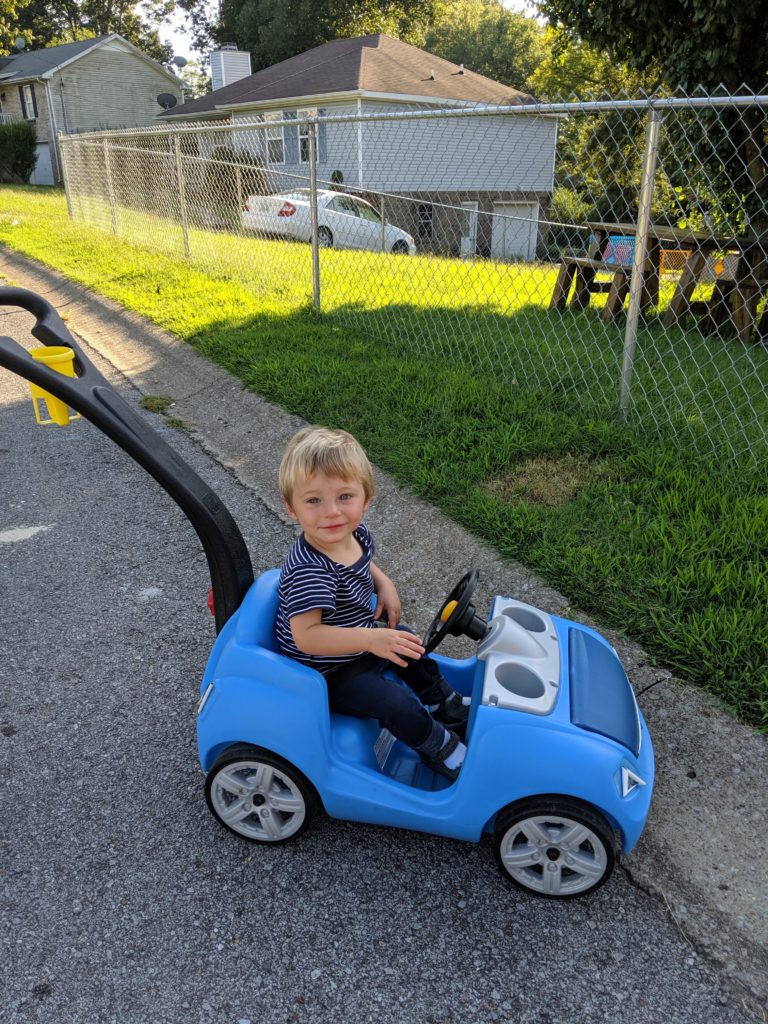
x=221, y=175
x=18, y=151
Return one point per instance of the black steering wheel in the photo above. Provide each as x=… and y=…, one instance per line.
x=457, y=615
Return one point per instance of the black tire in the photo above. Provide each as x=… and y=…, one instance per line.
x=400, y=248
x=554, y=847
x=258, y=796
x=325, y=238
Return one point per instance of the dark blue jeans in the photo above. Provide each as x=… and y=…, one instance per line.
x=372, y=694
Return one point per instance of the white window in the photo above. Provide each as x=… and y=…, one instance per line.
x=28, y=105
x=275, y=140
x=304, y=135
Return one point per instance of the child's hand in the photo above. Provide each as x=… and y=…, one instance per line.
x=395, y=645
x=387, y=600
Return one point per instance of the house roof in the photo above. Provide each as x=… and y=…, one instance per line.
x=28, y=64
x=376, y=64
x=35, y=63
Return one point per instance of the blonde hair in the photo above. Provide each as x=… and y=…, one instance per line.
x=330, y=452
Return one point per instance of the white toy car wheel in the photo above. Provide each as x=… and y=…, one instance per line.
x=259, y=796
x=554, y=847
x=324, y=238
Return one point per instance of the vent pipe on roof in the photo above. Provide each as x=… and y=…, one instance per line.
x=228, y=65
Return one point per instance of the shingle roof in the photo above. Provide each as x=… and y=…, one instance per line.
x=376, y=63
x=33, y=63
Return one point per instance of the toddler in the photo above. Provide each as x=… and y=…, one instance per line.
x=325, y=617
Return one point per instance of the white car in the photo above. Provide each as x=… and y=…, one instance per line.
x=344, y=221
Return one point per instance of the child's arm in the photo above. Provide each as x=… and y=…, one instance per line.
x=387, y=599
x=313, y=636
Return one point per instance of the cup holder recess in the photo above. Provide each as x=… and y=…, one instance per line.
x=527, y=619
x=520, y=681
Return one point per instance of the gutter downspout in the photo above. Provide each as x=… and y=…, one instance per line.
x=63, y=106
x=58, y=169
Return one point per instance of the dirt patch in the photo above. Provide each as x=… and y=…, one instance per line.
x=547, y=481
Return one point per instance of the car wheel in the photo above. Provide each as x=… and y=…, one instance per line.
x=324, y=238
x=400, y=248
x=259, y=796
x=554, y=847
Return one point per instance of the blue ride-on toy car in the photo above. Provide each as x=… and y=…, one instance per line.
x=559, y=766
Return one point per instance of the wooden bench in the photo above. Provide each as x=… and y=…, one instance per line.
x=732, y=306
x=585, y=270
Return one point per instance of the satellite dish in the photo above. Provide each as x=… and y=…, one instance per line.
x=180, y=62
x=167, y=100
x=20, y=43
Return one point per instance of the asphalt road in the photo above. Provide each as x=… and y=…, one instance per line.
x=124, y=901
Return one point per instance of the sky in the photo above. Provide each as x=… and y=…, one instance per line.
x=182, y=42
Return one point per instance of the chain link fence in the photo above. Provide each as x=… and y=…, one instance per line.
x=608, y=255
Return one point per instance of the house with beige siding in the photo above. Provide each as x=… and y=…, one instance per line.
x=85, y=86
x=474, y=184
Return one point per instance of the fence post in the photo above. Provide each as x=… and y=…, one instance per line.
x=383, y=227
x=182, y=194
x=239, y=190
x=110, y=190
x=641, y=252
x=311, y=132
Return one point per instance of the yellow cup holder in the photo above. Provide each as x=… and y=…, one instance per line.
x=59, y=358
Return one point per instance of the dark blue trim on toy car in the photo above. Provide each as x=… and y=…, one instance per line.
x=601, y=697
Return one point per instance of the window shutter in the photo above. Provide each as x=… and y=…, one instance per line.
x=322, y=144
x=34, y=100
x=291, y=138
x=23, y=102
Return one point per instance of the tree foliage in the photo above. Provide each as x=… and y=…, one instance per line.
x=18, y=151
x=696, y=42
x=573, y=69
x=490, y=39
x=9, y=18
x=194, y=80
x=274, y=30
x=707, y=43
x=52, y=22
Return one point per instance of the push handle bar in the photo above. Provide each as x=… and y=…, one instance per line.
x=90, y=394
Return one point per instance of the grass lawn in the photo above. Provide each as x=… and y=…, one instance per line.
x=463, y=386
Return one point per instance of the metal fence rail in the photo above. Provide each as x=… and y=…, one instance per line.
x=610, y=255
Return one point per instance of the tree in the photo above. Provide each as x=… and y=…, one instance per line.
x=709, y=43
x=195, y=81
x=274, y=30
x=490, y=39
x=9, y=15
x=696, y=42
x=572, y=69
x=52, y=22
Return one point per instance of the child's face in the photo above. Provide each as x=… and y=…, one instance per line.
x=328, y=509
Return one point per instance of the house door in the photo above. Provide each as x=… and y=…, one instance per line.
x=515, y=230
x=43, y=172
x=468, y=243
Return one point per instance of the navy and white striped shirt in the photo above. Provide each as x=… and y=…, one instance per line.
x=309, y=579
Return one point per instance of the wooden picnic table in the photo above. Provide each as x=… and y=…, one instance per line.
x=733, y=298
